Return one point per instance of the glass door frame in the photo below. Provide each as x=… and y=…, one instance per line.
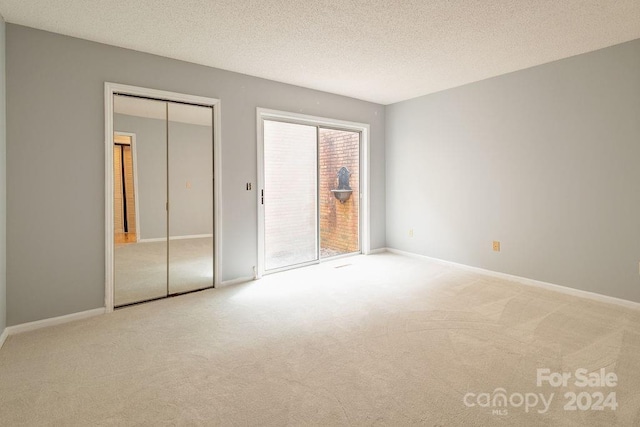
x=111, y=89
x=318, y=122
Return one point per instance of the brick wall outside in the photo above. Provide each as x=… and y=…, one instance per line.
x=339, y=221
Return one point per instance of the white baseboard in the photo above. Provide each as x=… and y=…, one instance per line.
x=38, y=324
x=529, y=282
x=3, y=337
x=234, y=281
x=163, y=239
x=377, y=251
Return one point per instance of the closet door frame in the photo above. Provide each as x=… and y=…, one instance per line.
x=111, y=89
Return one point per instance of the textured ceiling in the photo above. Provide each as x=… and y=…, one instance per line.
x=377, y=50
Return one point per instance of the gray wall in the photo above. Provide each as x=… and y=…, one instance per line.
x=3, y=181
x=545, y=160
x=55, y=152
x=190, y=159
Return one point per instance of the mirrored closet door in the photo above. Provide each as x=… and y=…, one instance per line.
x=190, y=198
x=163, y=198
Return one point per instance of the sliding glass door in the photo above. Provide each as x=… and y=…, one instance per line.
x=309, y=199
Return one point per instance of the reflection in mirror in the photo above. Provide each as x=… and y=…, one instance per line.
x=140, y=197
x=124, y=214
x=163, y=198
x=190, y=198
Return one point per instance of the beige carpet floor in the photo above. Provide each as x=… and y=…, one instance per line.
x=141, y=269
x=376, y=340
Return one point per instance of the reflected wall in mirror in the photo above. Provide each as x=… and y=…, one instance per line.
x=163, y=199
x=190, y=198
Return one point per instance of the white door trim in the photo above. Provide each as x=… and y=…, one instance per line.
x=109, y=90
x=363, y=128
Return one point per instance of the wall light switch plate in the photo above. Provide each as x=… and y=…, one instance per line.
x=496, y=246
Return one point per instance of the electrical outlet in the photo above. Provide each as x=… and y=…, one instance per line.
x=496, y=246
x=411, y=232
x=188, y=185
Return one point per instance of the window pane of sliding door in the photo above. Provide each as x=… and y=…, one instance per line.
x=290, y=194
x=339, y=192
